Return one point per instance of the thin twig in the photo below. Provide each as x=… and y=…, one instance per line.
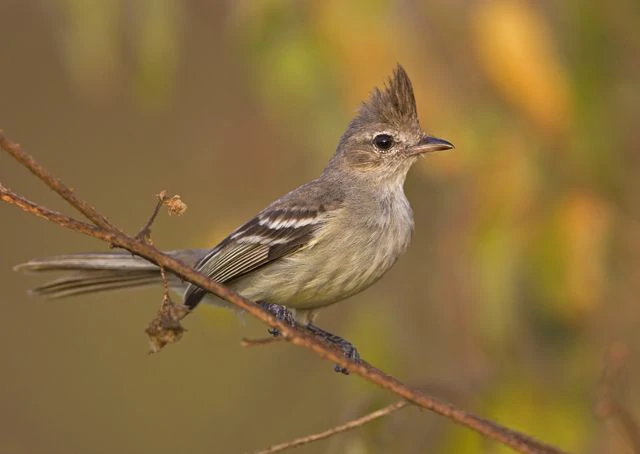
x=145, y=232
x=165, y=328
x=516, y=440
x=165, y=284
x=10, y=197
x=353, y=424
x=55, y=184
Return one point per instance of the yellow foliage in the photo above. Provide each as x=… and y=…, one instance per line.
x=515, y=49
x=585, y=222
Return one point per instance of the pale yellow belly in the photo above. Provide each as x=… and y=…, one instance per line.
x=316, y=278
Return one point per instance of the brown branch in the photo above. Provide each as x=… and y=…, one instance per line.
x=55, y=184
x=350, y=425
x=246, y=342
x=10, y=197
x=516, y=440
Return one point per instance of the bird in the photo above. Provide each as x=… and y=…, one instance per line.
x=315, y=246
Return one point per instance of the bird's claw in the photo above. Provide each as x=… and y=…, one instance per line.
x=281, y=313
x=350, y=352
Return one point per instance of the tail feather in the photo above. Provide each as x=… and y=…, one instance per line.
x=89, y=282
x=97, y=272
x=96, y=261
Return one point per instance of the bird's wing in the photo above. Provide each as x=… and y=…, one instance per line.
x=269, y=236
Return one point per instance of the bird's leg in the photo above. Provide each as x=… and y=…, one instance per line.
x=279, y=312
x=347, y=347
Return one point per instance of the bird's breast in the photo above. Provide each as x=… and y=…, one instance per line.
x=352, y=252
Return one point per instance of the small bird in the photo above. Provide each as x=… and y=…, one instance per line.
x=315, y=246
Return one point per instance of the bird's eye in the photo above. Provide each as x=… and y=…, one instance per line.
x=383, y=142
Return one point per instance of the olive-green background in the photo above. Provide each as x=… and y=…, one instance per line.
x=519, y=292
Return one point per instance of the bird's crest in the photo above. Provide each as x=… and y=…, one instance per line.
x=394, y=103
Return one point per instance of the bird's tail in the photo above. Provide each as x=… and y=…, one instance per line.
x=98, y=272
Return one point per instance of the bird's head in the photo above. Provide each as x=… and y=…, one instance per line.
x=385, y=137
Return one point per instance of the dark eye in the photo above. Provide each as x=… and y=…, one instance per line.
x=383, y=142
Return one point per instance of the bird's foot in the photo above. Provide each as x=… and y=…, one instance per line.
x=281, y=313
x=347, y=347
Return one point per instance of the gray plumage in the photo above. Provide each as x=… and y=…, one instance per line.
x=101, y=271
x=319, y=244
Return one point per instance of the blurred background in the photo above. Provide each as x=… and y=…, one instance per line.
x=518, y=298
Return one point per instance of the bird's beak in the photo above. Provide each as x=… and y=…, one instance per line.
x=428, y=144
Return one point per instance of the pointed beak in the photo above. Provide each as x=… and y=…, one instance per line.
x=428, y=144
